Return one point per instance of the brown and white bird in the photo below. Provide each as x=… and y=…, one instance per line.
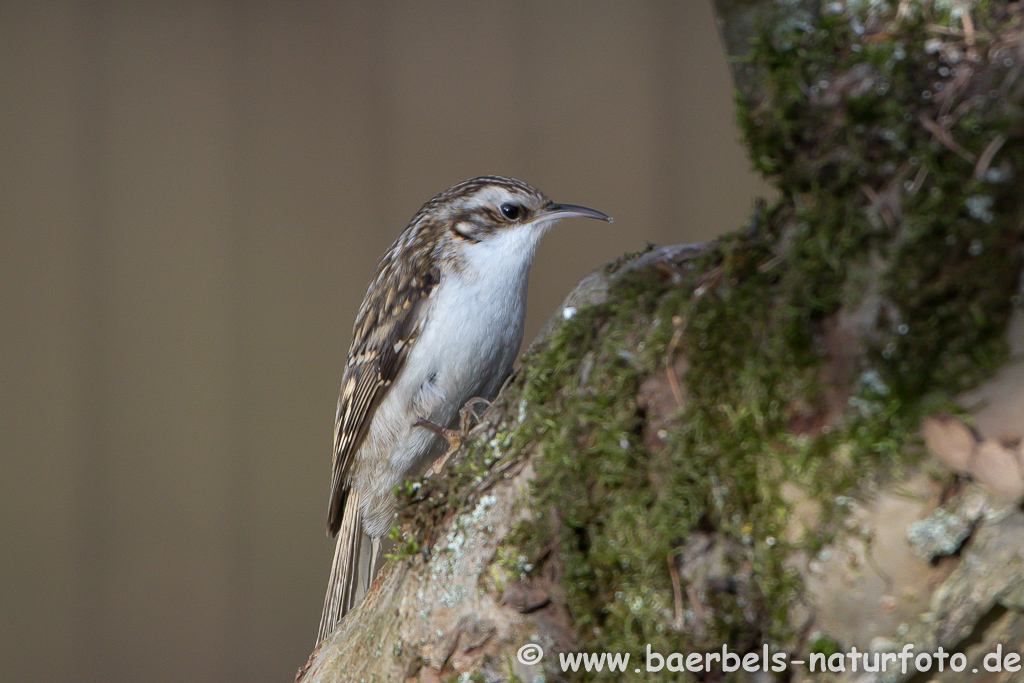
x=441, y=324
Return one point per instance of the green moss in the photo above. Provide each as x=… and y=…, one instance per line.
x=950, y=244
x=624, y=510
x=938, y=272
x=878, y=286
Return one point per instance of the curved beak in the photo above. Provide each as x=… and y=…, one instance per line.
x=558, y=211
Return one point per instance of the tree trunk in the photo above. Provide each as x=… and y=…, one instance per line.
x=740, y=459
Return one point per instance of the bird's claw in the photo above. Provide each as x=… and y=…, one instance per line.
x=468, y=413
x=454, y=437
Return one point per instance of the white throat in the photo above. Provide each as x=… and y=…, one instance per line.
x=503, y=259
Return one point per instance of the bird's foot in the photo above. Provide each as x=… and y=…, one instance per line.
x=452, y=436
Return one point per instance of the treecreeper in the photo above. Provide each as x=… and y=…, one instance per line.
x=441, y=324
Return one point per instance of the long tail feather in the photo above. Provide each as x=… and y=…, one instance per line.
x=350, y=571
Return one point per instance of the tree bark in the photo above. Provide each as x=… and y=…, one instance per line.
x=762, y=443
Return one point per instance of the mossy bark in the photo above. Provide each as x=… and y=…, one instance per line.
x=720, y=445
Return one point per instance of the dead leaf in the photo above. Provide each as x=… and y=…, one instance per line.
x=998, y=467
x=951, y=440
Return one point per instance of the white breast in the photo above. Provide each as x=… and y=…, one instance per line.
x=475, y=324
x=471, y=335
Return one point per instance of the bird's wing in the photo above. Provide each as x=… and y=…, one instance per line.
x=388, y=324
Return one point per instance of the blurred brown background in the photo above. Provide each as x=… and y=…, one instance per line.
x=193, y=197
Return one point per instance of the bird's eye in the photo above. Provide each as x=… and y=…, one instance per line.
x=510, y=211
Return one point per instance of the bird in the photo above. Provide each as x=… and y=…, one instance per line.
x=441, y=323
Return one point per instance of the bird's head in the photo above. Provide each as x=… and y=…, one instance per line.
x=489, y=221
x=479, y=209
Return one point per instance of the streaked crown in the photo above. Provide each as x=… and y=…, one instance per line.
x=475, y=209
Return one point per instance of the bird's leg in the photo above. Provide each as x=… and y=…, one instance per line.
x=452, y=436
